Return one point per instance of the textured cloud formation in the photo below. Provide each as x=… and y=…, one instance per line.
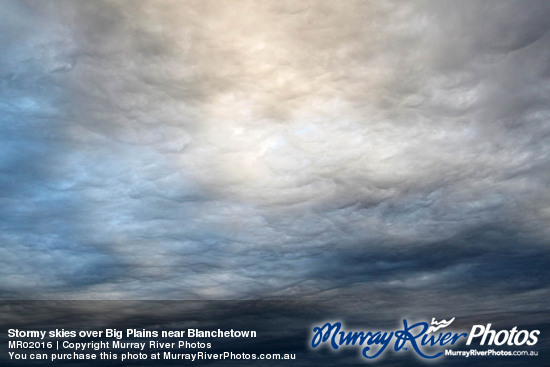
x=251, y=149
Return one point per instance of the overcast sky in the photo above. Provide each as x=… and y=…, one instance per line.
x=256, y=149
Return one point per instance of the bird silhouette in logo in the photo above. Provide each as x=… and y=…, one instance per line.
x=439, y=325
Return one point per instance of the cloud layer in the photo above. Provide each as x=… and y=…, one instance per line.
x=253, y=149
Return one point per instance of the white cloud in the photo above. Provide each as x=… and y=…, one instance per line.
x=217, y=150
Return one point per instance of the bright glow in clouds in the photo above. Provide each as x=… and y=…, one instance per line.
x=251, y=149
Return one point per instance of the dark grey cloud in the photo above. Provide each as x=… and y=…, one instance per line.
x=206, y=150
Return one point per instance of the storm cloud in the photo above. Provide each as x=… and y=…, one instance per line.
x=264, y=149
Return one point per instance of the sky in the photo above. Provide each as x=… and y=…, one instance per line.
x=371, y=150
